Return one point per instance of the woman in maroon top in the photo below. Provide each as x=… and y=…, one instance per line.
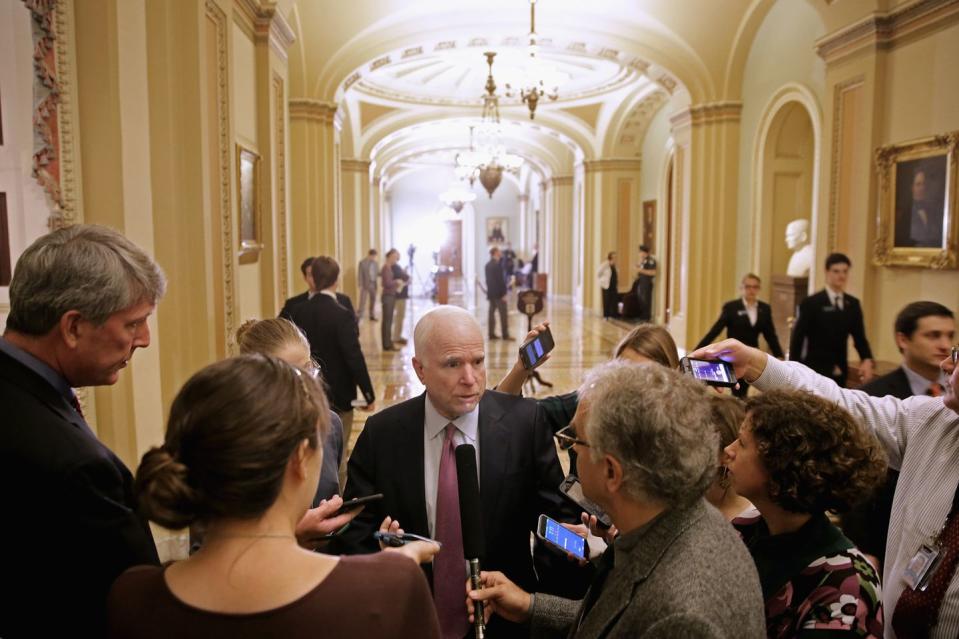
x=242, y=457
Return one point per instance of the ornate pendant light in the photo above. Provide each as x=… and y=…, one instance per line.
x=538, y=79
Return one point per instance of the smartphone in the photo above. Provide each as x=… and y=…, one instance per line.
x=356, y=503
x=561, y=538
x=396, y=540
x=573, y=490
x=532, y=352
x=714, y=372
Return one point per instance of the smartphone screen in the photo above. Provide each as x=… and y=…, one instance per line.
x=715, y=372
x=536, y=349
x=564, y=539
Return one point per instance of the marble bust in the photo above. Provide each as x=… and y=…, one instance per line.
x=797, y=240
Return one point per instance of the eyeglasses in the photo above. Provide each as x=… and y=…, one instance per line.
x=955, y=355
x=313, y=368
x=566, y=438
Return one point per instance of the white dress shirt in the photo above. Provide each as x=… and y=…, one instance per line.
x=752, y=311
x=921, y=438
x=835, y=298
x=919, y=384
x=434, y=433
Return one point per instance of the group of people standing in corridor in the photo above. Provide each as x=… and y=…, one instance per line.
x=716, y=508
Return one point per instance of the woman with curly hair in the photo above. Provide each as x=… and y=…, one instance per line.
x=798, y=456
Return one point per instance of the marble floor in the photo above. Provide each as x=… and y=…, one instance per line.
x=583, y=339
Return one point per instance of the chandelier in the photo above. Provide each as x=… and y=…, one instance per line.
x=457, y=196
x=487, y=157
x=537, y=78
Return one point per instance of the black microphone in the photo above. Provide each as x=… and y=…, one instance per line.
x=471, y=523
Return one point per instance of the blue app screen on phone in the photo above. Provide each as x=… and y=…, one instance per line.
x=565, y=539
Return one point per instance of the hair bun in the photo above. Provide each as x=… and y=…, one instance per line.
x=163, y=492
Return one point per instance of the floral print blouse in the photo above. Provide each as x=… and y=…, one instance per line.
x=815, y=582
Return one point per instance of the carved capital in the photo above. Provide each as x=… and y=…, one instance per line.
x=313, y=110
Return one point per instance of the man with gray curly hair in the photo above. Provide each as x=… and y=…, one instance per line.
x=79, y=303
x=647, y=452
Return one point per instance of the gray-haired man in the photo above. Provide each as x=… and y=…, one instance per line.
x=79, y=303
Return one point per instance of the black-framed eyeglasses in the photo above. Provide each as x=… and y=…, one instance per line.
x=566, y=438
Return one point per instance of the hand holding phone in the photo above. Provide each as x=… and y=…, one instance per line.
x=573, y=490
x=397, y=539
x=534, y=351
x=561, y=539
x=358, y=502
x=714, y=372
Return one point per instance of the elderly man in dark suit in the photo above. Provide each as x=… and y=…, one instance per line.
x=825, y=322
x=79, y=303
x=405, y=452
x=331, y=330
x=647, y=452
x=924, y=332
x=746, y=319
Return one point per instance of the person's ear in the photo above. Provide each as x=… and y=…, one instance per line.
x=300, y=461
x=72, y=328
x=902, y=341
x=418, y=367
x=613, y=473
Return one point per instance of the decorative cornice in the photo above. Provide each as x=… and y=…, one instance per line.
x=885, y=30
x=71, y=210
x=315, y=110
x=358, y=166
x=561, y=180
x=262, y=22
x=708, y=113
x=612, y=164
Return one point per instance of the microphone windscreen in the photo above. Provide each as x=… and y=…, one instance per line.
x=471, y=513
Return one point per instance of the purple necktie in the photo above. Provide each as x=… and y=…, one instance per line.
x=449, y=566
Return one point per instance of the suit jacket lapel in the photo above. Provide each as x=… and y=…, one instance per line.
x=408, y=446
x=494, y=444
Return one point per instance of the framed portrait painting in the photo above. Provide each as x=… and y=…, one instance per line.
x=248, y=204
x=917, y=203
x=497, y=230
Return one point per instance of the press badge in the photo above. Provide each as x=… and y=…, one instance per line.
x=920, y=568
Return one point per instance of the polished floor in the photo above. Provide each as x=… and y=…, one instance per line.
x=583, y=339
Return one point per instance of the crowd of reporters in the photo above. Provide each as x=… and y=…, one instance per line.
x=723, y=512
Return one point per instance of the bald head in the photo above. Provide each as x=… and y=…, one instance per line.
x=443, y=320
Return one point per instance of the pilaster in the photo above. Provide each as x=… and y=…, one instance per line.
x=560, y=235
x=312, y=179
x=356, y=224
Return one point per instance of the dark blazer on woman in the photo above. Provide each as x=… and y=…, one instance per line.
x=334, y=343
x=70, y=525
x=735, y=319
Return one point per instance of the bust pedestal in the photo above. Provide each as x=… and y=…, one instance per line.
x=787, y=293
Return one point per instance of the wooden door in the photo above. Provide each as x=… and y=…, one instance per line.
x=451, y=252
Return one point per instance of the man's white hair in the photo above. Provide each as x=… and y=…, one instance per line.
x=440, y=319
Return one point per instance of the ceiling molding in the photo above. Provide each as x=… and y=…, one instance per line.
x=886, y=30
x=612, y=164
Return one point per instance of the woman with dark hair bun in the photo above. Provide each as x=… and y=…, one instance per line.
x=242, y=456
x=798, y=456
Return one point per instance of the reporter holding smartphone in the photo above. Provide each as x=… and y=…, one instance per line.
x=647, y=452
x=242, y=455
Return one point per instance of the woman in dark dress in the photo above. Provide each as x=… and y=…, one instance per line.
x=242, y=454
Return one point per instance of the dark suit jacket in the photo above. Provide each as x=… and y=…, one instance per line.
x=895, y=383
x=824, y=330
x=519, y=475
x=335, y=345
x=735, y=319
x=69, y=523
x=296, y=300
x=495, y=280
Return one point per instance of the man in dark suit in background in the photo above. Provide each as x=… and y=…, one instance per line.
x=826, y=320
x=496, y=291
x=405, y=452
x=746, y=319
x=334, y=344
x=79, y=303
x=925, y=333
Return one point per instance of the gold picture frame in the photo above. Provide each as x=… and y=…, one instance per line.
x=248, y=204
x=917, y=223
